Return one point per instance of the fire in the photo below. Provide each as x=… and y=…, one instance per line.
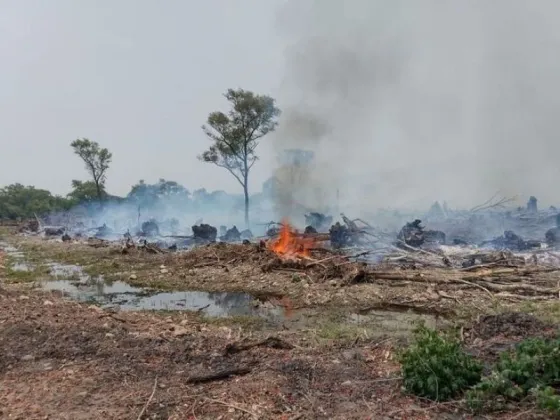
x=290, y=244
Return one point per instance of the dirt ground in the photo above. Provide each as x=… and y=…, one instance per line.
x=65, y=360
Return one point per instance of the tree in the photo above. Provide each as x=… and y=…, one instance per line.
x=19, y=201
x=84, y=191
x=97, y=161
x=235, y=135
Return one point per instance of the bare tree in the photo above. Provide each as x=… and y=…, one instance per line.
x=235, y=135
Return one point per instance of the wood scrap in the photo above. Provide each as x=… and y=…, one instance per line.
x=217, y=376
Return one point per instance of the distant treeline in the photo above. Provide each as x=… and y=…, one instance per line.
x=22, y=202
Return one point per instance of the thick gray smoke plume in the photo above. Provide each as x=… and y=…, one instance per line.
x=405, y=102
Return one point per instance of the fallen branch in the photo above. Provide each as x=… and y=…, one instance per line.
x=216, y=376
x=149, y=400
x=518, y=287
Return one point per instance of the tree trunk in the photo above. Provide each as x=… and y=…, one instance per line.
x=246, y=192
x=98, y=189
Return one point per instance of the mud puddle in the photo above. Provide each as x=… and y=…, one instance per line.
x=129, y=298
x=72, y=282
x=11, y=251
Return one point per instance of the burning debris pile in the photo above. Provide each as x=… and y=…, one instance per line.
x=434, y=262
x=333, y=250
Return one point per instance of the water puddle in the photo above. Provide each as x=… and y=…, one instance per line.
x=11, y=251
x=127, y=297
x=21, y=266
x=72, y=282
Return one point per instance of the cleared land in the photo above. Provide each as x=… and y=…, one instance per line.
x=331, y=353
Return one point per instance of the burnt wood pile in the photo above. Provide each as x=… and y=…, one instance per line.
x=205, y=232
x=414, y=234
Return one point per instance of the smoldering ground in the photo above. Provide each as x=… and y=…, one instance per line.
x=405, y=102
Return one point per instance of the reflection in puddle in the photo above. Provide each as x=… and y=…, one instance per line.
x=72, y=282
x=68, y=272
x=21, y=266
x=11, y=251
x=127, y=297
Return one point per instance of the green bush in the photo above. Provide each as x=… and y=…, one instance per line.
x=531, y=371
x=436, y=367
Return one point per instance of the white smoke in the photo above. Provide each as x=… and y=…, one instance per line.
x=408, y=102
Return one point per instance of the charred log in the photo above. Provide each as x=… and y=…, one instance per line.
x=31, y=226
x=510, y=240
x=246, y=234
x=553, y=235
x=66, y=238
x=309, y=229
x=103, y=231
x=150, y=228
x=413, y=234
x=434, y=237
x=340, y=236
x=231, y=235
x=319, y=221
x=532, y=205
x=205, y=232
x=54, y=230
x=273, y=232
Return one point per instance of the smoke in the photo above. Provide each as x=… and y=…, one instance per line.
x=174, y=211
x=408, y=102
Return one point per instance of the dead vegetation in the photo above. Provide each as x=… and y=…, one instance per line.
x=180, y=365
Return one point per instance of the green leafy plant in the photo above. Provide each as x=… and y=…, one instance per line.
x=532, y=370
x=436, y=367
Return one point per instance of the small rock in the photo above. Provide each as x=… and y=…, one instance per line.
x=95, y=308
x=23, y=297
x=346, y=383
x=82, y=394
x=48, y=303
x=109, y=335
x=333, y=282
x=28, y=357
x=164, y=271
x=162, y=266
x=132, y=277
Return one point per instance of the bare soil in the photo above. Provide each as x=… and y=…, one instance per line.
x=65, y=360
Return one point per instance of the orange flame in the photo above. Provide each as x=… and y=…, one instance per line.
x=289, y=244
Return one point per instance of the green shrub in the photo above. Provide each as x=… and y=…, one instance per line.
x=436, y=367
x=532, y=370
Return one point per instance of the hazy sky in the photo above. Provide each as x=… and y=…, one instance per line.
x=137, y=76
x=404, y=101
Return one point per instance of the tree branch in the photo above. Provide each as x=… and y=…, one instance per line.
x=230, y=171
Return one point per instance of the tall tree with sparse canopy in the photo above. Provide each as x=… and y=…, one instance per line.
x=97, y=162
x=235, y=135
